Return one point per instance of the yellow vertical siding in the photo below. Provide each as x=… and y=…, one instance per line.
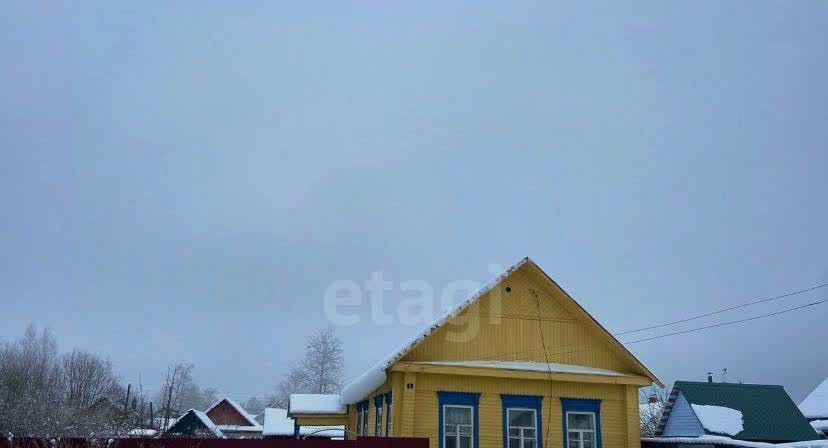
x=505, y=326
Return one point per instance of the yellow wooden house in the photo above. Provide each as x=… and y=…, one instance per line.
x=518, y=365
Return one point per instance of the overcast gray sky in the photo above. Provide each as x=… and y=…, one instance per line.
x=182, y=181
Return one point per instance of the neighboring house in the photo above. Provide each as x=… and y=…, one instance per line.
x=104, y=410
x=233, y=420
x=520, y=364
x=738, y=412
x=815, y=408
x=278, y=425
x=194, y=424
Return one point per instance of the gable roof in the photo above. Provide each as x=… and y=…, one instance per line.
x=188, y=424
x=768, y=413
x=237, y=407
x=375, y=377
x=815, y=405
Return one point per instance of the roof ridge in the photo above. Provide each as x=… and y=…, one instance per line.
x=706, y=383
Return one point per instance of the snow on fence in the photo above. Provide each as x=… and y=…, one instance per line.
x=362, y=442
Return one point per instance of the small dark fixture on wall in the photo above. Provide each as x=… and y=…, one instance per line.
x=508, y=289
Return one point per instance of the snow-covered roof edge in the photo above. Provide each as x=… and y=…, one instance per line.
x=321, y=404
x=250, y=419
x=815, y=405
x=375, y=376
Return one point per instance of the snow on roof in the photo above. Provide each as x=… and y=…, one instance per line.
x=277, y=423
x=239, y=428
x=820, y=425
x=142, y=432
x=815, y=405
x=202, y=416
x=316, y=404
x=719, y=419
x=375, y=376
x=250, y=419
x=526, y=366
x=721, y=440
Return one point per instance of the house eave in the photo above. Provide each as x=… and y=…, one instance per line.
x=636, y=380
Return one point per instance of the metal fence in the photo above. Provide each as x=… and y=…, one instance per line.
x=361, y=442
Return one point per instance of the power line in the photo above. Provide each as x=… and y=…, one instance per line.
x=734, y=307
x=728, y=323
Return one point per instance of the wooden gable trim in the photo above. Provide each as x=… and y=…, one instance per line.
x=542, y=376
x=577, y=310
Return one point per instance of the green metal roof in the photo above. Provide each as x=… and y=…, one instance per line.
x=768, y=413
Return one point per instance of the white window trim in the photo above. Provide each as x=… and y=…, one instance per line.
x=365, y=421
x=457, y=436
x=533, y=427
x=359, y=420
x=378, y=423
x=592, y=431
x=389, y=419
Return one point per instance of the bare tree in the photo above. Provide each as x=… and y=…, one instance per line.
x=254, y=405
x=179, y=376
x=30, y=385
x=44, y=394
x=319, y=372
x=650, y=410
x=88, y=378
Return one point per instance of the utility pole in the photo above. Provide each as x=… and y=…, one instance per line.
x=126, y=403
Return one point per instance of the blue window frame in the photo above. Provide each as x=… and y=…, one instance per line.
x=522, y=421
x=581, y=423
x=459, y=420
x=378, y=404
x=389, y=415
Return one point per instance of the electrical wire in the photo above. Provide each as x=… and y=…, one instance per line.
x=730, y=308
x=548, y=366
x=722, y=324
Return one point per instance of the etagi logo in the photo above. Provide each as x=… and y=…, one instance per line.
x=422, y=303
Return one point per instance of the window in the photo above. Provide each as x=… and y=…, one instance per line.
x=458, y=420
x=457, y=426
x=582, y=423
x=522, y=421
x=365, y=418
x=389, y=415
x=359, y=419
x=522, y=428
x=378, y=404
x=580, y=429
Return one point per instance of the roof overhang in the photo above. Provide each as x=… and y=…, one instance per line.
x=320, y=419
x=443, y=369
